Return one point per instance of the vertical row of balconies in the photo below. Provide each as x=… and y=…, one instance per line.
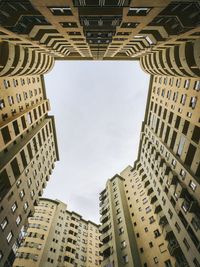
x=179, y=197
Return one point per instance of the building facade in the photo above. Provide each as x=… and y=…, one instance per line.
x=164, y=37
x=109, y=29
x=58, y=237
x=162, y=188
x=28, y=151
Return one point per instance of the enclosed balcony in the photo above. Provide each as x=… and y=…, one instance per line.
x=167, y=232
x=153, y=199
x=173, y=246
x=162, y=220
x=157, y=207
x=189, y=204
x=180, y=190
x=107, y=252
x=104, y=210
x=105, y=229
x=146, y=184
x=150, y=191
x=107, y=239
x=144, y=177
x=104, y=219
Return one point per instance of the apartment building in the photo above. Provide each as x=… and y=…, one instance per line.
x=162, y=188
x=119, y=246
x=108, y=29
x=164, y=37
x=28, y=151
x=58, y=237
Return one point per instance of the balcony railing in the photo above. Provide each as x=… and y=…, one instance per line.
x=173, y=247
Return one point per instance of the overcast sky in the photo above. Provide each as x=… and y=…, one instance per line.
x=98, y=107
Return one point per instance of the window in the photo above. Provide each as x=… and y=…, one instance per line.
x=61, y=11
x=156, y=233
x=181, y=145
x=125, y=259
x=121, y=230
x=18, y=220
x=14, y=207
x=190, y=155
x=150, y=244
x=1, y=255
x=146, y=229
x=168, y=263
x=177, y=227
x=21, y=194
x=192, y=185
x=25, y=206
x=174, y=163
x=123, y=244
x=138, y=11
x=5, y=134
x=195, y=223
x=129, y=25
x=183, y=99
x=151, y=220
x=9, y=237
x=186, y=84
x=141, y=250
x=186, y=244
x=148, y=209
x=69, y=24
x=182, y=173
x=193, y=102
x=196, y=134
x=119, y=220
x=4, y=223
x=197, y=85
x=2, y=104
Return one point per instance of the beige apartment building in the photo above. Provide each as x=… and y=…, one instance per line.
x=160, y=193
x=164, y=37
x=107, y=29
x=58, y=237
x=28, y=151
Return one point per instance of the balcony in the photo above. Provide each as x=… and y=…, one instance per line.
x=150, y=191
x=103, y=196
x=162, y=220
x=180, y=190
x=167, y=232
x=157, y=207
x=153, y=199
x=172, y=179
x=144, y=177
x=107, y=252
x=106, y=239
x=146, y=184
x=103, y=210
x=104, y=219
x=189, y=204
x=105, y=229
x=173, y=247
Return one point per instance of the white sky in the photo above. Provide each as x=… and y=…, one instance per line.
x=98, y=107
